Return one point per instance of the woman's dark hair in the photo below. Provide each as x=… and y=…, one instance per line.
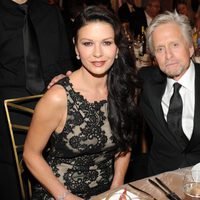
x=122, y=80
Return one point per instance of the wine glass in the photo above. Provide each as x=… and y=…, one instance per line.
x=126, y=195
x=191, y=185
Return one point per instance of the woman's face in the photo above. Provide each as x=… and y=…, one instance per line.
x=96, y=47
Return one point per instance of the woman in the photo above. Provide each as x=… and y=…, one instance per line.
x=88, y=118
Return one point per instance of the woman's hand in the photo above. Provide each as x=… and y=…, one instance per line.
x=57, y=78
x=120, y=168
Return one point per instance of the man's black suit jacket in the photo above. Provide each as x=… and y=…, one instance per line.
x=52, y=40
x=124, y=13
x=136, y=21
x=165, y=153
x=55, y=59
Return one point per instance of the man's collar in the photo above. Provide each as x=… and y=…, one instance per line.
x=186, y=80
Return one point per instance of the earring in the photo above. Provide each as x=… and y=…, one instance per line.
x=116, y=56
x=77, y=57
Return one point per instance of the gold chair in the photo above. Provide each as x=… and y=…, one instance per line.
x=23, y=106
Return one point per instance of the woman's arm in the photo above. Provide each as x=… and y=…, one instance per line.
x=50, y=115
x=120, y=168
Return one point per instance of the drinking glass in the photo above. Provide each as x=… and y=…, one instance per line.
x=191, y=185
x=119, y=195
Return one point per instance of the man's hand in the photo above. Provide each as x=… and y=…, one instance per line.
x=57, y=78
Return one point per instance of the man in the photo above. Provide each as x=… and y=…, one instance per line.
x=144, y=17
x=183, y=9
x=127, y=10
x=55, y=59
x=170, y=41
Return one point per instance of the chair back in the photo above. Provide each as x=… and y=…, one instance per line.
x=19, y=112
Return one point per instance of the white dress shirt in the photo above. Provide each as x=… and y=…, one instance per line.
x=187, y=93
x=130, y=7
x=149, y=19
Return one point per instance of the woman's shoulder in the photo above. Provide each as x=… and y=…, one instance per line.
x=55, y=96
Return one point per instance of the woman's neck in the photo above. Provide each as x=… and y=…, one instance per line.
x=97, y=82
x=92, y=88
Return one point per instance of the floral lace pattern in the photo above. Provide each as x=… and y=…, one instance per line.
x=81, y=156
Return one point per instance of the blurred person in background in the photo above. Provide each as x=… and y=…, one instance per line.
x=144, y=17
x=196, y=35
x=70, y=10
x=127, y=9
x=195, y=5
x=183, y=9
x=54, y=59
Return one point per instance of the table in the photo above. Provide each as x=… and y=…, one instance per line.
x=173, y=179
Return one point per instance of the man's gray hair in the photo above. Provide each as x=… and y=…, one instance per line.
x=169, y=17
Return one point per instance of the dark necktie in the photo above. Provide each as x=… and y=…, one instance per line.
x=174, y=116
x=34, y=80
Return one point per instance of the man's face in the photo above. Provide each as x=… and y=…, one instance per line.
x=153, y=8
x=182, y=9
x=171, y=50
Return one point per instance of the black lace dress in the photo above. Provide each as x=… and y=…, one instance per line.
x=81, y=156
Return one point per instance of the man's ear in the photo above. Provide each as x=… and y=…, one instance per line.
x=191, y=49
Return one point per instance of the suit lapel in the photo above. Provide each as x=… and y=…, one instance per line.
x=157, y=91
